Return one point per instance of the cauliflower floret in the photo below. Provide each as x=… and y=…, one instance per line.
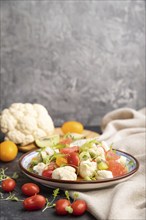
x=8, y=122
x=39, y=168
x=27, y=124
x=29, y=109
x=43, y=122
x=87, y=168
x=96, y=151
x=64, y=173
x=122, y=160
x=39, y=133
x=103, y=174
x=16, y=106
x=23, y=123
x=40, y=109
x=28, y=139
x=17, y=135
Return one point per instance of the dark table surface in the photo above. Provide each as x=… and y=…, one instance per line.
x=11, y=210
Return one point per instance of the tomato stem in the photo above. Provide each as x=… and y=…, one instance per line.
x=69, y=209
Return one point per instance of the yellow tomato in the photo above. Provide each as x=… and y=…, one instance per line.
x=8, y=151
x=61, y=161
x=72, y=127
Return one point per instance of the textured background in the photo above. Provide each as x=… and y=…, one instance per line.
x=80, y=59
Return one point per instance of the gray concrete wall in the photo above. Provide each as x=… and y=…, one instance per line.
x=80, y=59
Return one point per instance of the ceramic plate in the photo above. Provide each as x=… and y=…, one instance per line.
x=24, y=162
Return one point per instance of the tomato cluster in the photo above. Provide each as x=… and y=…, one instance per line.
x=63, y=207
x=36, y=201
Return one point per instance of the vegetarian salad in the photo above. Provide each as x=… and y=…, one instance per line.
x=71, y=157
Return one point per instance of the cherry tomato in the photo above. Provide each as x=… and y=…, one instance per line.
x=73, y=159
x=79, y=207
x=61, y=161
x=48, y=172
x=73, y=127
x=35, y=202
x=30, y=189
x=68, y=150
x=8, y=185
x=61, y=204
x=8, y=151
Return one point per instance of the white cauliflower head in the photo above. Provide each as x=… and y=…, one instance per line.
x=23, y=123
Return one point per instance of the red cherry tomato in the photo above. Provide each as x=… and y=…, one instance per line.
x=48, y=172
x=35, y=202
x=68, y=150
x=73, y=159
x=8, y=185
x=30, y=189
x=79, y=207
x=61, y=204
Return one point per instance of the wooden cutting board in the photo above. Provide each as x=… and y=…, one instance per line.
x=87, y=133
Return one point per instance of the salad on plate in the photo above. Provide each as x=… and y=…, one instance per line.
x=71, y=157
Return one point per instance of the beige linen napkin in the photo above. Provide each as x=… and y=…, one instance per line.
x=125, y=128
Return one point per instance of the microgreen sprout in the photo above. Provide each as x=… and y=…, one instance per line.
x=111, y=146
x=51, y=204
x=75, y=196
x=11, y=197
x=15, y=175
x=67, y=195
x=3, y=176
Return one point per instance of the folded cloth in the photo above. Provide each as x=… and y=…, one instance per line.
x=125, y=129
